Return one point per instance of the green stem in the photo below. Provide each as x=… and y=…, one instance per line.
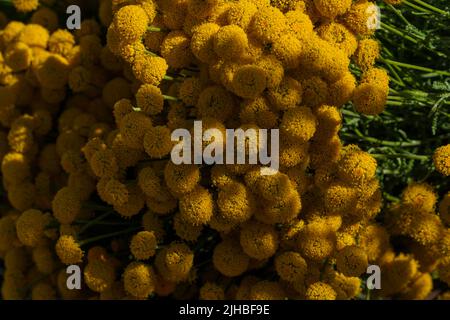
x=108, y=235
x=170, y=98
x=432, y=8
x=155, y=29
x=390, y=197
x=420, y=68
x=399, y=33
x=401, y=155
x=94, y=221
x=384, y=142
x=412, y=5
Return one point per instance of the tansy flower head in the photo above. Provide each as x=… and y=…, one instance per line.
x=341, y=91
x=30, y=227
x=174, y=262
x=258, y=112
x=359, y=17
x=426, y=228
x=287, y=95
x=249, y=81
x=22, y=196
x=332, y=8
x=202, y=42
x=267, y=290
x=8, y=235
x=157, y=142
x=46, y=17
x=351, y=261
x=444, y=209
x=61, y=42
x=316, y=241
x=291, y=266
x=268, y=24
x=18, y=56
x=143, y=245
x=230, y=42
x=17, y=259
x=420, y=197
x=43, y=291
x=68, y=250
x=150, y=69
x=135, y=203
x=357, y=167
x=34, y=35
x=66, y=205
x=320, y=291
x=139, y=280
x=181, y=179
x=131, y=23
x=441, y=160
x=133, y=128
x=300, y=23
x=99, y=275
x=299, y=124
x=25, y=5
x=44, y=258
x=197, y=206
x=367, y=53
x=258, y=240
x=274, y=70
x=215, y=102
x=370, y=99
x=176, y=50
x=337, y=34
x=211, y=291
x=241, y=13
x=229, y=258
x=236, y=203
x=186, y=230
x=190, y=91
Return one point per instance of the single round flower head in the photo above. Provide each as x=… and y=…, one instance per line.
x=143, y=245
x=18, y=56
x=420, y=288
x=316, y=241
x=197, y=206
x=30, y=227
x=202, y=42
x=66, y=205
x=320, y=291
x=121, y=109
x=338, y=35
x=287, y=95
x=236, y=203
x=53, y=72
x=268, y=24
x=260, y=241
x=299, y=124
x=357, y=167
x=229, y=258
x=157, y=142
x=135, y=203
x=99, y=275
x=201, y=8
x=267, y=290
x=230, y=42
x=257, y=111
x=341, y=91
x=115, y=193
x=441, y=160
x=274, y=70
x=288, y=49
x=351, y=261
x=420, y=196
x=46, y=17
x=426, y=228
x=139, y=280
x=68, y=250
x=34, y=35
x=25, y=5
x=181, y=179
x=61, y=42
x=43, y=291
x=174, y=262
x=249, y=81
x=17, y=259
x=151, y=183
x=291, y=266
x=332, y=8
x=361, y=18
x=150, y=69
x=8, y=234
x=103, y=163
x=186, y=230
x=22, y=196
x=367, y=53
x=274, y=187
x=241, y=13
x=370, y=99
x=211, y=291
x=131, y=23
x=216, y=102
x=44, y=258
x=133, y=128
x=280, y=211
x=115, y=90
x=190, y=91
x=176, y=50
x=300, y=24
x=150, y=99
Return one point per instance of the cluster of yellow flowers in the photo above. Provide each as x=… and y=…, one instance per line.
x=86, y=128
